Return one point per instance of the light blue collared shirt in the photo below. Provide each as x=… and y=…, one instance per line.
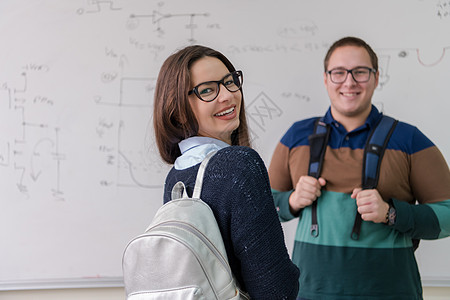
x=194, y=150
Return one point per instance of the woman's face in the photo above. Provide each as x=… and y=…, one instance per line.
x=220, y=117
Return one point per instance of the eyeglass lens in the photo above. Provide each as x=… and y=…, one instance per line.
x=358, y=74
x=208, y=91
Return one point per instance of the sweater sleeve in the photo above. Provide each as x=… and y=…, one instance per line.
x=430, y=183
x=280, y=181
x=256, y=233
x=281, y=200
x=282, y=178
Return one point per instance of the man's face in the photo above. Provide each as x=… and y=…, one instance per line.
x=350, y=99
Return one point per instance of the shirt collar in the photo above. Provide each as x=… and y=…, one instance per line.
x=194, y=150
x=371, y=120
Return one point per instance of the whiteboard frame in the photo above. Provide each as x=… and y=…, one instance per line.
x=117, y=282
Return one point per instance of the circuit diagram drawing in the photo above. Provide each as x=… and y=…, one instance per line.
x=30, y=151
x=127, y=102
x=125, y=141
x=97, y=6
x=157, y=19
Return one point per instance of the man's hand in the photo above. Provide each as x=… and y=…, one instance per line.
x=370, y=205
x=306, y=192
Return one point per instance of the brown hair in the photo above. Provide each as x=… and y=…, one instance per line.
x=351, y=41
x=173, y=118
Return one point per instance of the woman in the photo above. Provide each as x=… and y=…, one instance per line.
x=199, y=108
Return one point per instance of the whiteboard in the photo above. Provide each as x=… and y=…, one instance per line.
x=79, y=172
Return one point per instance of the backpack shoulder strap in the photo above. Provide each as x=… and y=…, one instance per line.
x=373, y=153
x=179, y=189
x=318, y=142
x=200, y=173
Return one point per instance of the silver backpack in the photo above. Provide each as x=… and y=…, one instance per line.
x=181, y=255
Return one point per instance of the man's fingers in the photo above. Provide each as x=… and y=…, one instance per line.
x=355, y=192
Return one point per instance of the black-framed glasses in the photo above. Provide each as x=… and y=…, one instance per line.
x=208, y=91
x=359, y=74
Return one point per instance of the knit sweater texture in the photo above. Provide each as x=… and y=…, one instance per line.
x=236, y=187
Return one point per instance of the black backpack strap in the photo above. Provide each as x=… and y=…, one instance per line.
x=373, y=154
x=318, y=142
x=374, y=151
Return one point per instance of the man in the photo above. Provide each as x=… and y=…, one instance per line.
x=380, y=263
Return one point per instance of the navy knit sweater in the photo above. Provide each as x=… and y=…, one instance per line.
x=236, y=187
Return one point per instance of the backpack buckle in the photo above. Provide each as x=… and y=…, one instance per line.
x=315, y=230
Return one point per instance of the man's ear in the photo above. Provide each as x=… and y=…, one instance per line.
x=377, y=77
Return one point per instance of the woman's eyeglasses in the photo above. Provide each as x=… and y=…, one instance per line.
x=208, y=91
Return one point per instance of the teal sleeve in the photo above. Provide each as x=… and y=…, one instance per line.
x=442, y=211
x=423, y=221
x=281, y=200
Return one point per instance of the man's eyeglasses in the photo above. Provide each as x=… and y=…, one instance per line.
x=208, y=91
x=359, y=74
